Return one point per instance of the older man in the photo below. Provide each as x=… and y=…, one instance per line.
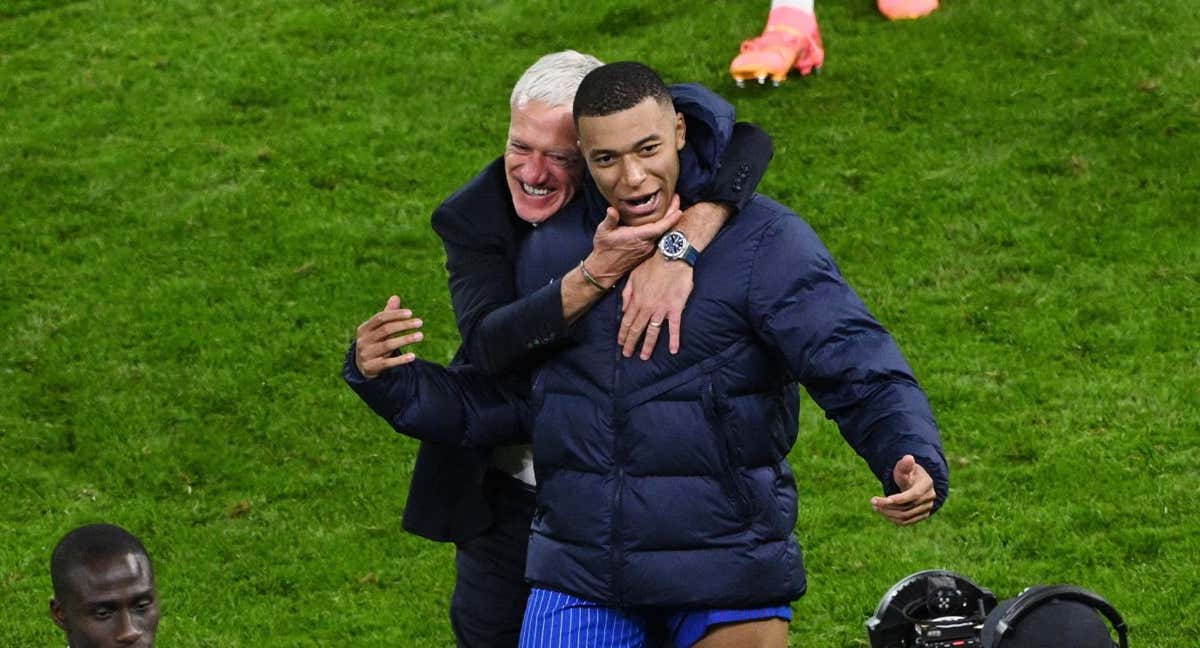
x=483, y=500
x=104, y=592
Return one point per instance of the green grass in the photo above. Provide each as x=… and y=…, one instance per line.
x=199, y=201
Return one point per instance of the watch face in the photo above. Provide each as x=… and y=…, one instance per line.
x=673, y=245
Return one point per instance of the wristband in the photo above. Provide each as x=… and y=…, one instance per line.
x=590, y=279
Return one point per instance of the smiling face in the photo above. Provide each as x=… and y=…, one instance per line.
x=541, y=162
x=633, y=155
x=110, y=602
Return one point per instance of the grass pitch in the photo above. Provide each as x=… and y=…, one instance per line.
x=199, y=201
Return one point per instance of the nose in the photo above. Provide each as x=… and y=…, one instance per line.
x=128, y=631
x=535, y=169
x=632, y=173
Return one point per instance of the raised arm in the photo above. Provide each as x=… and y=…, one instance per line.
x=848, y=362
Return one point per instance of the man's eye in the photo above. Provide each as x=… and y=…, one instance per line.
x=102, y=613
x=602, y=160
x=144, y=605
x=650, y=149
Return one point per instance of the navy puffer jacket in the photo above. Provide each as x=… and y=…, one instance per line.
x=665, y=482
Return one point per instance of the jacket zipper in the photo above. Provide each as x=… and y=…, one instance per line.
x=732, y=477
x=618, y=422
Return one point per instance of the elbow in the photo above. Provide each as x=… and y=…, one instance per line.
x=481, y=352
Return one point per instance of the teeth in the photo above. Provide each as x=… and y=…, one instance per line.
x=534, y=191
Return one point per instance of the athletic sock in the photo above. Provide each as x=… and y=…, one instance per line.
x=802, y=5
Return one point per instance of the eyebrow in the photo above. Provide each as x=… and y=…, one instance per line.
x=148, y=593
x=516, y=141
x=636, y=145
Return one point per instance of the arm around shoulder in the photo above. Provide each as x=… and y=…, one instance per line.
x=498, y=328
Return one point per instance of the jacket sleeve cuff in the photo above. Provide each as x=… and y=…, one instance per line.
x=742, y=167
x=384, y=394
x=350, y=372
x=930, y=458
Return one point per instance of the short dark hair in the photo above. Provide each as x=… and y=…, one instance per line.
x=88, y=544
x=618, y=86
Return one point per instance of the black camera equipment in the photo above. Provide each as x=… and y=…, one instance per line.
x=1072, y=621
x=933, y=609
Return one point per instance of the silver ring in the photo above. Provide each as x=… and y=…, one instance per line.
x=656, y=324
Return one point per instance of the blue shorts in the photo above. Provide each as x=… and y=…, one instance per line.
x=557, y=620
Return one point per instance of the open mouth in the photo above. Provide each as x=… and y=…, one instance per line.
x=535, y=191
x=644, y=205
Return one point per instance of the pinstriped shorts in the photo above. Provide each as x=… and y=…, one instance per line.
x=557, y=620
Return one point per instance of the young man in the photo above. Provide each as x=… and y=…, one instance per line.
x=104, y=593
x=663, y=486
x=481, y=500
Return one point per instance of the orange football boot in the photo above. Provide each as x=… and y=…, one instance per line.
x=790, y=40
x=906, y=9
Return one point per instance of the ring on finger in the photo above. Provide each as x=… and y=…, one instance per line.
x=656, y=324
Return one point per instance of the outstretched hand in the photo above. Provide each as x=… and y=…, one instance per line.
x=915, y=500
x=379, y=337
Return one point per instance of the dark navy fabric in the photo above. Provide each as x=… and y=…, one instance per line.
x=665, y=482
x=437, y=405
x=490, y=589
x=710, y=121
x=440, y=405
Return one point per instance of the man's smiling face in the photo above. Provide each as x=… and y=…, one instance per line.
x=633, y=155
x=541, y=162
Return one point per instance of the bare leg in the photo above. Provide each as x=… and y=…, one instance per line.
x=762, y=633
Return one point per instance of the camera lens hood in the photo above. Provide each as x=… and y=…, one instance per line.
x=926, y=596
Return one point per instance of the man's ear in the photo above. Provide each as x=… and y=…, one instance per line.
x=58, y=614
x=680, y=131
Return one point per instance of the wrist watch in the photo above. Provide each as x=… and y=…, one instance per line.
x=675, y=247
